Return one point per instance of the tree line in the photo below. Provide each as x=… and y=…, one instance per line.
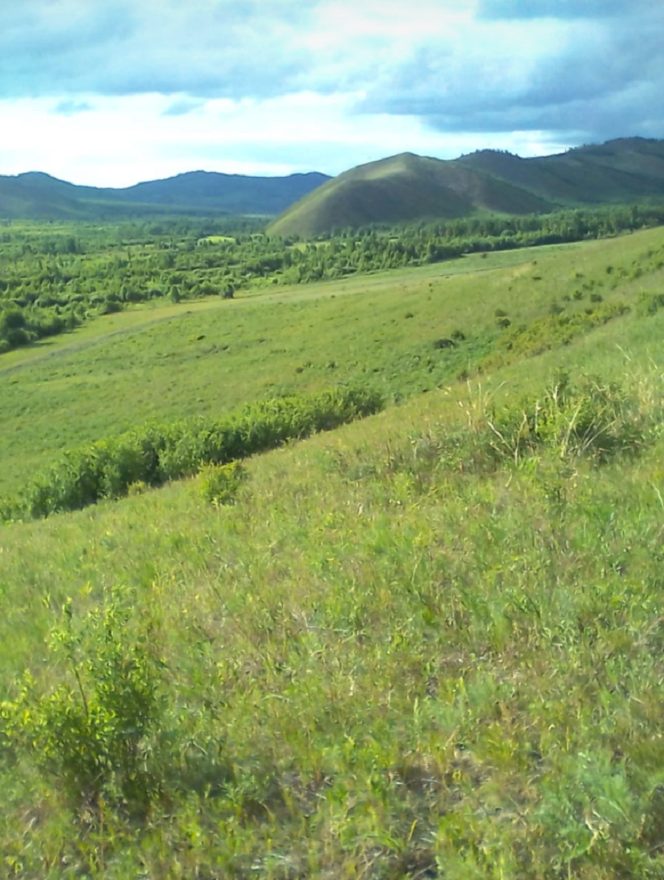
x=52, y=278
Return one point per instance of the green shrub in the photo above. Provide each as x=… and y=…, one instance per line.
x=219, y=483
x=10, y=509
x=591, y=418
x=156, y=454
x=651, y=303
x=552, y=330
x=137, y=488
x=18, y=328
x=96, y=732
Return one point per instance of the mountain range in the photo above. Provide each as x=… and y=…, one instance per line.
x=409, y=188
x=35, y=195
x=402, y=188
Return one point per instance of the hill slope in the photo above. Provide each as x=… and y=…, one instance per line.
x=408, y=187
x=35, y=195
x=233, y=193
x=618, y=170
x=426, y=645
x=402, y=188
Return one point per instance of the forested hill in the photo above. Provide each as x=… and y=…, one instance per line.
x=35, y=195
x=408, y=187
x=619, y=170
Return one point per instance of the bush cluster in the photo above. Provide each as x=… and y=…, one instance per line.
x=54, y=281
x=551, y=330
x=96, y=733
x=220, y=483
x=586, y=418
x=19, y=327
x=651, y=303
x=156, y=454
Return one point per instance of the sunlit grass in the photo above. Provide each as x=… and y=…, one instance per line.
x=207, y=358
x=403, y=650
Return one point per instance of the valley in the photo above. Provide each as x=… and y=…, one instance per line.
x=425, y=643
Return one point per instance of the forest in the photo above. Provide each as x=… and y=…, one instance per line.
x=55, y=276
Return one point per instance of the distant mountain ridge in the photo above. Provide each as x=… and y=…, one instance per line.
x=407, y=187
x=620, y=169
x=36, y=195
x=402, y=188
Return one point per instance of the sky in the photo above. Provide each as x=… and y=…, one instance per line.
x=111, y=92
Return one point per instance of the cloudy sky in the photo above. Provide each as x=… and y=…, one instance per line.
x=110, y=92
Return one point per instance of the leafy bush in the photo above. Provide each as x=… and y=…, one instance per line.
x=21, y=327
x=590, y=419
x=552, y=330
x=651, y=303
x=156, y=454
x=137, y=488
x=220, y=483
x=96, y=732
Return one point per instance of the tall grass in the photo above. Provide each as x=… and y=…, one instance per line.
x=424, y=644
x=383, y=661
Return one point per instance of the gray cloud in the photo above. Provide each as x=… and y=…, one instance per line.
x=576, y=69
x=590, y=80
x=561, y=9
x=182, y=107
x=202, y=47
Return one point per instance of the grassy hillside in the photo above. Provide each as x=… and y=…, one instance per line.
x=428, y=644
x=407, y=187
x=211, y=356
x=619, y=170
x=393, y=190
x=164, y=362
x=204, y=191
x=37, y=196
x=400, y=189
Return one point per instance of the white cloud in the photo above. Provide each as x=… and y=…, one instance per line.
x=119, y=141
x=113, y=91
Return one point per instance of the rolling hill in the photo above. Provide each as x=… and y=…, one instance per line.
x=425, y=644
x=402, y=188
x=619, y=170
x=35, y=195
x=407, y=187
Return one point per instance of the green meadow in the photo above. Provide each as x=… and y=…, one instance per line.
x=167, y=361
x=427, y=643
